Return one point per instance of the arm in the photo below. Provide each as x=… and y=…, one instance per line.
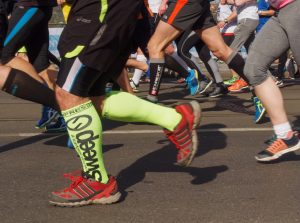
x=269, y=12
x=229, y=19
x=163, y=7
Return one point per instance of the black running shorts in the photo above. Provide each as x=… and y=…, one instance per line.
x=28, y=26
x=96, y=44
x=189, y=14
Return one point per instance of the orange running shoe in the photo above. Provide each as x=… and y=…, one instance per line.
x=238, y=86
x=278, y=147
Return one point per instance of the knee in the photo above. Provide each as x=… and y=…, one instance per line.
x=4, y=73
x=255, y=73
x=155, y=48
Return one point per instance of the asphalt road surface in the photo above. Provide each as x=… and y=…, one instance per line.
x=223, y=184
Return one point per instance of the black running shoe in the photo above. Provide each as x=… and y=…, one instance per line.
x=219, y=90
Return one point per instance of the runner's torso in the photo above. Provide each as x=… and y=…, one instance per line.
x=224, y=11
x=247, y=11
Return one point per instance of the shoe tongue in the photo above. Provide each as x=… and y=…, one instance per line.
x=87, y=176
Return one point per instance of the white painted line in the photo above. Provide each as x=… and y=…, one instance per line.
x=115, y=132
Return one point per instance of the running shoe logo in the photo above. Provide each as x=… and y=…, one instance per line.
x=81, y=19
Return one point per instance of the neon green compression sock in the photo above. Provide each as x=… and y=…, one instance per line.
x=85, y=131
x=122, y=106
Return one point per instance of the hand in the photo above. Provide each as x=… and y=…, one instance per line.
x=60, y=2
x=221, y=24
x=162, y=9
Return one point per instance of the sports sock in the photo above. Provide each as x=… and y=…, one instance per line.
x=85, y=131
x=237, y=63
x=156, y=71
x=282, y=130
x=122, y=106
x=21, y=85
x=137, y=72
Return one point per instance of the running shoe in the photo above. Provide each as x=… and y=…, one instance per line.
x=230, y=81
x=274, y=138
x=48, y=115
x=86, y=191
x=219, y=90
x=204, y=85
x=259, y=110
x=58, y=126
x=192, y=82
x=278, y=147
x=185, y=136
x=279, y=83
x=152, y=98
x=134, y=86
x=238, y=86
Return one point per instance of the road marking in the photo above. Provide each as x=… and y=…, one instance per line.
x=116, y=132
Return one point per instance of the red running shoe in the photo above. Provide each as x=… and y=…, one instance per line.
x=185, y=136
x=84, y=191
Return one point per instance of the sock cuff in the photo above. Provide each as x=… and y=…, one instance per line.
x=157, y=60
x=141, y=58
x=9, y=80
x=79, y=108
x=231, y=56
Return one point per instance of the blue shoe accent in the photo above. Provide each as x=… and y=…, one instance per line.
x=148, y=71
x=58, y=126
x=70, y=144
x=192, y=82
x=259, y=109
x=108, y=88
x=48, y=115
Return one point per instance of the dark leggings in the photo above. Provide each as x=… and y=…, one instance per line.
x=191, y=39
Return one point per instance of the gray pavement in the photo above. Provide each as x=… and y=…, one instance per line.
x=223, y=184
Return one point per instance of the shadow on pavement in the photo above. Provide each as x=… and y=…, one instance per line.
x=162, y=160
x=25, y=142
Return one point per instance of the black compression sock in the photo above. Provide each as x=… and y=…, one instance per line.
x=237, y=63
x=156, y=72
x=173, y=64
x=21, y=85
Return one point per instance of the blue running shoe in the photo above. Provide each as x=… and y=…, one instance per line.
x=192, y=82
x=58, y=126
x=259, y=109
x=48, y=115
x=70, y=144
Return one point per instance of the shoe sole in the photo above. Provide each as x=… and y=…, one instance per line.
x=197, y=113
x=279, y=154
x=207, y=86
x=104, y=200
x=241, y=89
x=217, y=95
x=63, y=129
x=260, y=117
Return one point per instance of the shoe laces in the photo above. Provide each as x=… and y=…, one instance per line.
x=276, y=146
